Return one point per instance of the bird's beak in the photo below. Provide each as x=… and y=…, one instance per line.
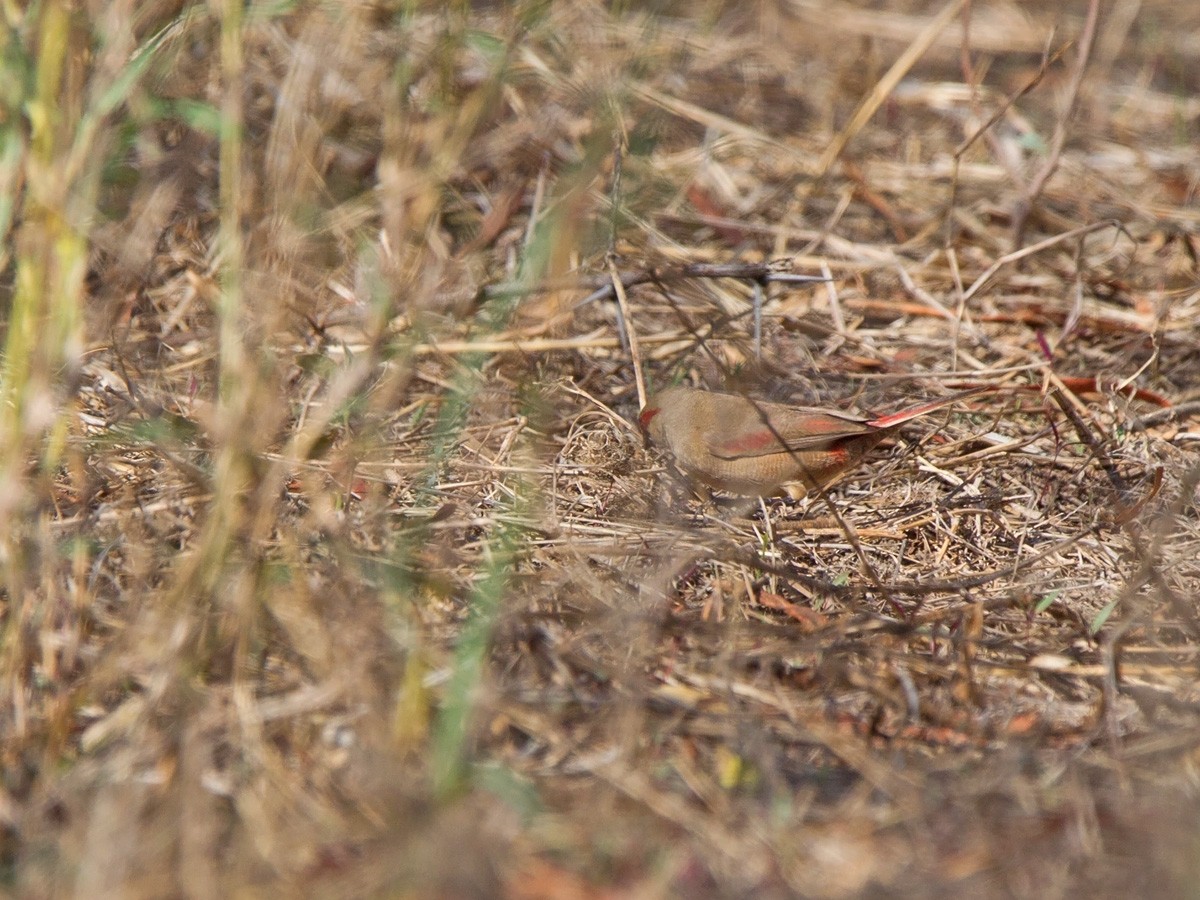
x=644, y=418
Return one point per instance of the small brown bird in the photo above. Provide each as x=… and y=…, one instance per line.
x=752, y=447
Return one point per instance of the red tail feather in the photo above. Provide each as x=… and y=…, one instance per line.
x=913, y=412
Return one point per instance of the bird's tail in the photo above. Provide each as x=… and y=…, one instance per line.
x=898, y=418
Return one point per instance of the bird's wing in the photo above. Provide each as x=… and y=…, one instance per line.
x=744, y=431
x=790, y=429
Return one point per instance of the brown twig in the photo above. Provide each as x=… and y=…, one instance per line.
x=828, y=588
x=985, y=128
x=1149, y=571
x=1024, y=206
x=635, y=353
x=601, y=287
x=1022, y=252
x=887, y=84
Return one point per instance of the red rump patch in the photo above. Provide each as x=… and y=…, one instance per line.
x=647, y=414
x=754, y=441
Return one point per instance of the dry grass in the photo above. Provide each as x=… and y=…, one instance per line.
x=333, y=565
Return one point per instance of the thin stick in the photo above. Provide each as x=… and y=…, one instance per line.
x=1148, y=571
x=1035, y=248
x=602, y=287
x=835, y=303
x=888, y=83
x=635, y=353
x=759, y=299
x=983, y=129
x=1025, y=204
